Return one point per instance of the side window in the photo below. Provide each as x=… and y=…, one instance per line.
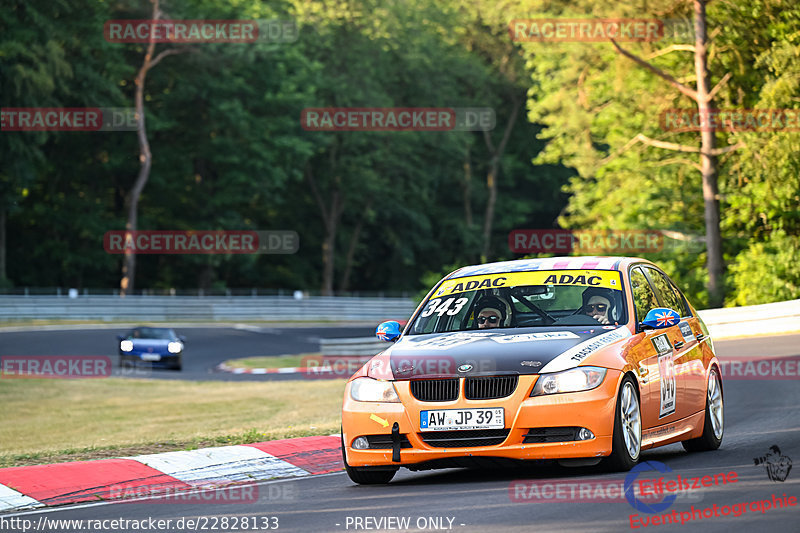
x=684, y=309
x=664, y=289
x=643, y=296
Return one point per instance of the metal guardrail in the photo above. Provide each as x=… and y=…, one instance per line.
x=211, y=308
x=62, y=292
x=765, y=319
x=779, y=317
x=368, y=346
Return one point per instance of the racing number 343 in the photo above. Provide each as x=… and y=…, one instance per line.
x=434, y=307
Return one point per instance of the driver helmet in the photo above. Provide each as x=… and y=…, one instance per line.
x=492, y=302
x=608, y=294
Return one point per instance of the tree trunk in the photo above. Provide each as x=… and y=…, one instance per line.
x=328, y=258
x=126, y=284
x=145, y=160
x=708, y=161
x=468, y=190
x=330, y=219
x=491, y=177
x=488, y=219
x=351, y=250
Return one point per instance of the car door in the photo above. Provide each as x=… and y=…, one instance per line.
x=695, y=377
x=644, y=352
x=677, y=350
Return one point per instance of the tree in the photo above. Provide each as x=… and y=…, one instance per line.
x=126, y=284
x=703, y=96
x=600, y=114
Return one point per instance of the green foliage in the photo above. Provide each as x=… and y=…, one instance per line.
x=767, y=271
x=593, y=102
x=229, y=151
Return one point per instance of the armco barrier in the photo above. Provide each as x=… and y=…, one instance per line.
x=779, y=317
x=765, y=319
x=210, y=308
x=358, y=346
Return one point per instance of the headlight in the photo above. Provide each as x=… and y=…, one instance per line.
x=372, y=390
x=126, y=346
x=573, y=380
x=174, y=347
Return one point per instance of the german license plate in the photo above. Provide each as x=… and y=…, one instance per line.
x=450, y=419
x=151, y=357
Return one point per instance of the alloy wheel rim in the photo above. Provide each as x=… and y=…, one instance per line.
x=631, y=421
x=715, y=405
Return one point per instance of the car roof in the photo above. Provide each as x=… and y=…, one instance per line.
x=549, y=263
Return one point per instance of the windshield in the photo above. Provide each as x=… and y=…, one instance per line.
x=152, y=333
x=524, y=299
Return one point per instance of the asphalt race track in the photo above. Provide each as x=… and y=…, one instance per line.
x=758, y=414
x=206, y=347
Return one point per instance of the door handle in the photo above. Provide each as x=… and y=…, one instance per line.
x=700, y=337
x=678, y=345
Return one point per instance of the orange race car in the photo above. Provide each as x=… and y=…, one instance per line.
x=579, y=359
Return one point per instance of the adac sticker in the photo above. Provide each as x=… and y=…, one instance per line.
x=608, y=279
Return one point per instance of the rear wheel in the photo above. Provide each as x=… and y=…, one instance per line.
x=365, y=475
x=714, y=422
x=627, y=440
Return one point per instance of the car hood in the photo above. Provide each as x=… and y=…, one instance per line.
x=517, y=351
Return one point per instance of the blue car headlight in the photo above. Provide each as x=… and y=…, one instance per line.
x=174, y=347
x=126, y=346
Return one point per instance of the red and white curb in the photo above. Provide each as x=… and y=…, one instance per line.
x=222, y=367
x=28, y=487
x=342, y=367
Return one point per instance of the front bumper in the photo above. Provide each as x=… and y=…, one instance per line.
x=592, y=409
x=165, y=359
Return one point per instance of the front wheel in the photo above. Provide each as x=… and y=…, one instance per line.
x=367, y=475
x=714, y=421
x=627, y=440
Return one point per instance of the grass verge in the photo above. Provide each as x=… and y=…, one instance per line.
x=53, y=420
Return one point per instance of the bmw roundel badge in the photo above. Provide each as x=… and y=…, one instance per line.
x=465, y=368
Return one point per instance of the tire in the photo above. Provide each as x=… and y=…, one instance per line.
x=367, y=475
x=714, y=419
x=178, y=364
x=626, y=444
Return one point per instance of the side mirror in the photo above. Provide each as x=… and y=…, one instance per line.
x=388, y=331
x=120, y=337
x=660, y=318
x=182, y=338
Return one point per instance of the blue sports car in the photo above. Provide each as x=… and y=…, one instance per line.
x=157, y=346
